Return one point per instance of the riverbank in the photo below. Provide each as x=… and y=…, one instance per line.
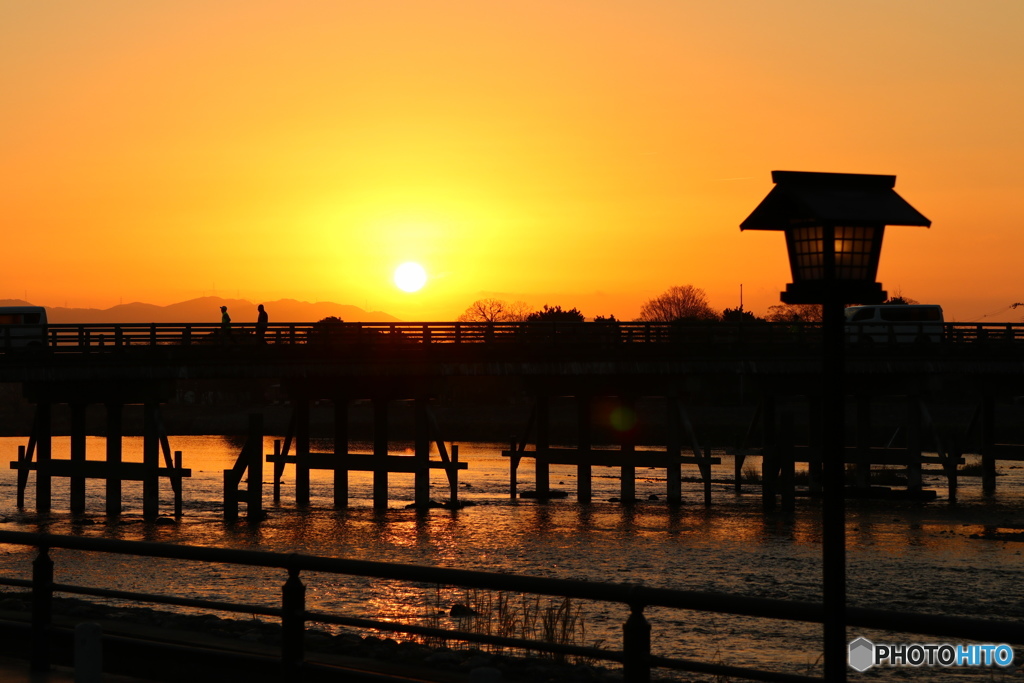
x=380, y=655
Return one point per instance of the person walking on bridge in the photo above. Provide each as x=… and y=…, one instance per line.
x=261, y=325
x=225, y=323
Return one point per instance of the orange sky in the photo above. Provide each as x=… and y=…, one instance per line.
x=587, y=153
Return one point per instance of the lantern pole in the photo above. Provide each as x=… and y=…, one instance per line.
x=833, y=503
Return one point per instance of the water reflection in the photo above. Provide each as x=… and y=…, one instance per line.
x=896, y=550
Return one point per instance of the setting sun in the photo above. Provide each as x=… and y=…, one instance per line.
x=410, y=277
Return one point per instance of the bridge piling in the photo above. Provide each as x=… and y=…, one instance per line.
x=627, y=441
x=151, y=460
x=584, y=482
x=115, y=416
x=421, y=483
x=44, y=446
x=380, y=453
x=301, y=451
x=542, y=467
x=340, y=453
x=770, y=436
x=674, y=449
x=77, y=483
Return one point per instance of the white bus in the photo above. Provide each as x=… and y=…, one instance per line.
x=22, y=326
x=898, y=323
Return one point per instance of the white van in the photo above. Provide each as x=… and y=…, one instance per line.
x=22, y=326
x=900, y=323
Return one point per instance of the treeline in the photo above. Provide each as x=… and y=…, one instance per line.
x=681, y=302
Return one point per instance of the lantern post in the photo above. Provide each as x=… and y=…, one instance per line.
x=834, y=224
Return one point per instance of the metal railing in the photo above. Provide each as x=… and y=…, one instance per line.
x=636, y=657
x=100, y=337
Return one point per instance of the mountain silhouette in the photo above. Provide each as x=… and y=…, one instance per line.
x=207, y=309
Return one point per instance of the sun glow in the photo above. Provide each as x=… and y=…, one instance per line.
x=410, y=277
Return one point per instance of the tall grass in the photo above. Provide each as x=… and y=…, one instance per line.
x=550, y=620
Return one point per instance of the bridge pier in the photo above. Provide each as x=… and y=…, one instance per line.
x=622, y=421
x=340, y=452
x=584, y=482
x=77, y=468
x=542, y=467
x=380, y=463
x=78, y=429
x=380, y=453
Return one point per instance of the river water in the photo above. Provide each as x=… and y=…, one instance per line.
x=960, y=558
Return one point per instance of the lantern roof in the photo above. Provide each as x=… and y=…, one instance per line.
x=849, y=199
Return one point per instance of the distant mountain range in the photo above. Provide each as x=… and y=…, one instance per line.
x=207, y=309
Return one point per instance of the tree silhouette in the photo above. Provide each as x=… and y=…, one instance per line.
x=794, y=313
x=898, y=298
x=738, y=315
x=684, y=302
x=494, y=311
x=555, y=313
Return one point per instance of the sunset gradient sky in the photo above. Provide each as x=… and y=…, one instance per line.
x=584, y=153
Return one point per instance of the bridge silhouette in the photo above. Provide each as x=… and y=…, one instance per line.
x=116, y=365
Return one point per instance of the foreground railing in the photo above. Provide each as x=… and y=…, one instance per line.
x=635, y=656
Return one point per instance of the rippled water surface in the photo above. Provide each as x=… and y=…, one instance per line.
x=919, y=557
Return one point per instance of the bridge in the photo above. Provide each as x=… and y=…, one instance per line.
x=116, y=365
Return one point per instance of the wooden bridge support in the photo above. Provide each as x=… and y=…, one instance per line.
x=674, y=450
x=77, y=468
x=340, y=453
x=584, y=439
x=115, y=413
x=301, y=451
x=421, y=483
x=77, y=483
x=44, y=490
x=627, y=447
x=541, y=465
x=769, y=459
x=380, y=453
x=626, y=458
x=380, y=463
x=249, y=465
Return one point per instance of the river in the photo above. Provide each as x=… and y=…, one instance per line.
x=922, y=557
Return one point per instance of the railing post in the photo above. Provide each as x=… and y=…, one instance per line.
x=636, y=646
x=293, y=624
x=88, y=652
x=42, y=609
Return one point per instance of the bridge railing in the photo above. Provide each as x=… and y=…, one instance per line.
x=100, y=337
x=97, y=337
x=636, y=655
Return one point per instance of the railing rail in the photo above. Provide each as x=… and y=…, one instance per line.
x=110, y=336
x=635, y=655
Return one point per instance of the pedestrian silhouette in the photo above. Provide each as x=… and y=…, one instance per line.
x=225, y=321
x=261, y=325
